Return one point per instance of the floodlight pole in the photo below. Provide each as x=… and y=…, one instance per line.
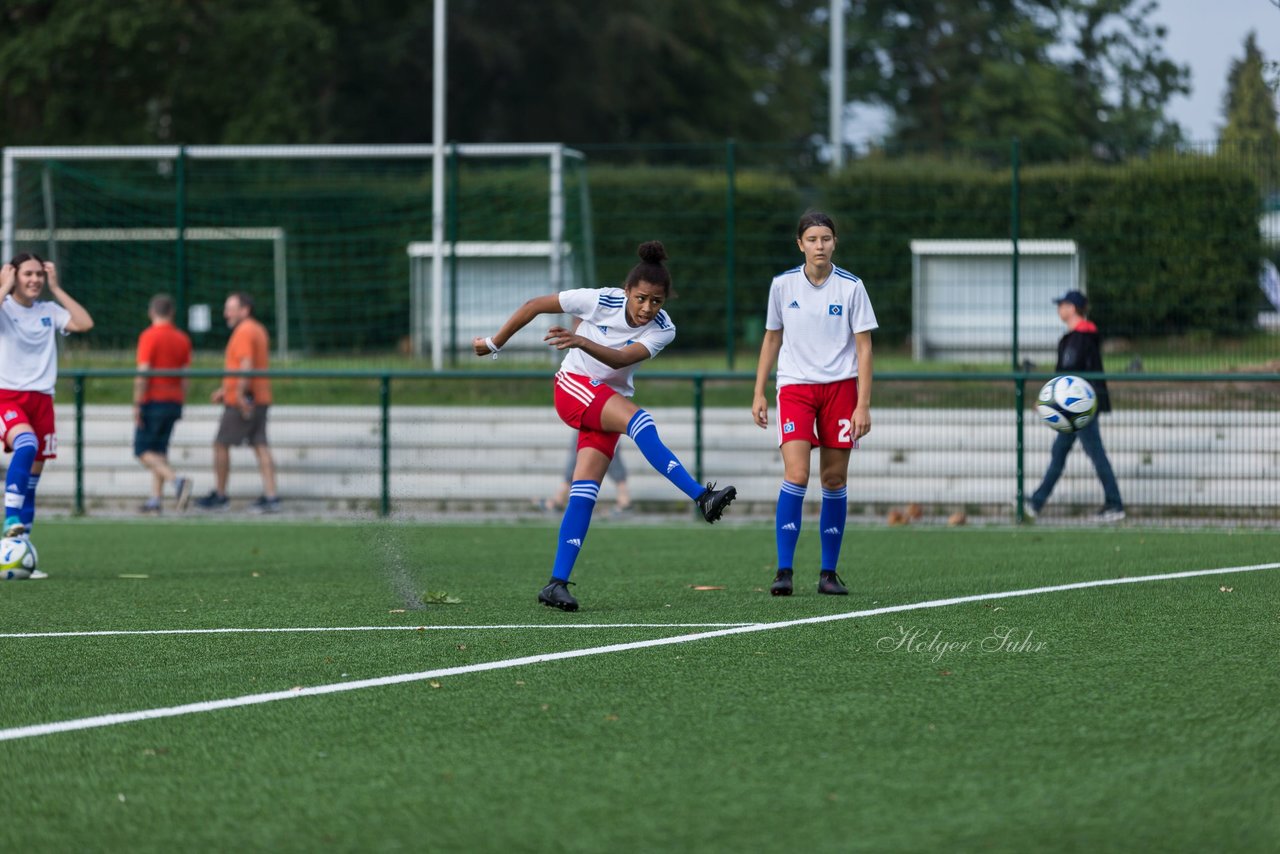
x=437, y=188
x=837, y=85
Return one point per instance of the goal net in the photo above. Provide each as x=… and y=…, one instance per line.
x=320, y=236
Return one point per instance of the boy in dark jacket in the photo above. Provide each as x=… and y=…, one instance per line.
x=1080, y=351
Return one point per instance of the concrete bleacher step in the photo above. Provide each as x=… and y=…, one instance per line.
x=932, y=456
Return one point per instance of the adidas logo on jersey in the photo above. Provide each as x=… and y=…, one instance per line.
x=790, y=526
x=831, y=531
x=671, y=466
x=794, y=304
x=575, y=542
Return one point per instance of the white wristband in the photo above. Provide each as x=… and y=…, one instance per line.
x=493, y=348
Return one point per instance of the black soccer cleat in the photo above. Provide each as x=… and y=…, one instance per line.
x=830, y=584
x=712, y=501
x=782, y=583
x=557, y=595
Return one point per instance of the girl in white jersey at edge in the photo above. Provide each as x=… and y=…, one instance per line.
x=818, y=331
x=28, y=373
x=620, y=328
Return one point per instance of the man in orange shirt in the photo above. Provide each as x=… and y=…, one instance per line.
x=157, y=401
x=247, y=399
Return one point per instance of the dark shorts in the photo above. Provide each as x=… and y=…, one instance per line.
x=157, y=426
x=235, y=429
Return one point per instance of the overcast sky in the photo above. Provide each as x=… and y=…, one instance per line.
x=1203, y=34
x=1207, y=35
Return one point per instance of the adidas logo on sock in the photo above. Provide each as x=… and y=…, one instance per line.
x=672, y=465
x=575, y=542
x=790, y=526
x=831, y=531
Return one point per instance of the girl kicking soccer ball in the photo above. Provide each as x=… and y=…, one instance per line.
x=620, y=328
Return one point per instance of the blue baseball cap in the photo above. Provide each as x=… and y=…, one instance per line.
x=1079, y=300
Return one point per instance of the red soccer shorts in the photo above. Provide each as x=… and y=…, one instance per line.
x=34, y=408
x=579, y=401
x=818, y=414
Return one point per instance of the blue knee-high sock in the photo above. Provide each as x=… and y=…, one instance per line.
x=573, y=527
x=28, y=514
x=15, y=480
x=790, y=506
x=644, y=433
x=835, y=508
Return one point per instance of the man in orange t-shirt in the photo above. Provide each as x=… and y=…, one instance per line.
x=157, y=401
x=246, y=401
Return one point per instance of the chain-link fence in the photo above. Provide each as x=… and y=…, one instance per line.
x=1176, y=250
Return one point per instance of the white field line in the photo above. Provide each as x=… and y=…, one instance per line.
x=287, y=630
x=15, y=733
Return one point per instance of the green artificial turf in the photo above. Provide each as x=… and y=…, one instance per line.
x=1128, y=717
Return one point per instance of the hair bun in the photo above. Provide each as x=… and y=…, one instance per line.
x=652, y=252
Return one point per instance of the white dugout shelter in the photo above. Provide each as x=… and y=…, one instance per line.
x=962, y=297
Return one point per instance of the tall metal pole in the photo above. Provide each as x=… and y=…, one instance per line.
x=730, y=239
x=1014, y=217
x=451, y=235
x=180, y=233
x=836, y=132
x=1020, y=383
x=437, y=189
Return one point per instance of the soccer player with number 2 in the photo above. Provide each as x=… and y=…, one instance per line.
x=620, y=328
x=818, y=332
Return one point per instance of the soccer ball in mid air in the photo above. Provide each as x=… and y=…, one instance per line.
x=17, y=559
x=1067, y=404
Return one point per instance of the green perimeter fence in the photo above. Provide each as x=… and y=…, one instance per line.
x=1184, y=446
x=336, y=243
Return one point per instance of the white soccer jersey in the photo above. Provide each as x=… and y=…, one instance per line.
x=819, y=324
x=604, y=320
x=28, y=348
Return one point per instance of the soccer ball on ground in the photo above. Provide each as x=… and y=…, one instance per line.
x=17, y=559
x=1067, y=404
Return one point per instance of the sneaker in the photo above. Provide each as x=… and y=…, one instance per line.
x=181, y=492
x=36, y=575
x=151, y=505
x=781, y=583
x=1110, y=514
x=557, y=595
x=712, y=501
x=213, y=501
x=13, y=527
x=265, y=505
x=830, y=584
x=1029, y=511
x=621, y=512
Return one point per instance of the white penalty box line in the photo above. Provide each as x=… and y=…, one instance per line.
x=31, y=731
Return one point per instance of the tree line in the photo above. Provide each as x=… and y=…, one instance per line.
x=1070, y=77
